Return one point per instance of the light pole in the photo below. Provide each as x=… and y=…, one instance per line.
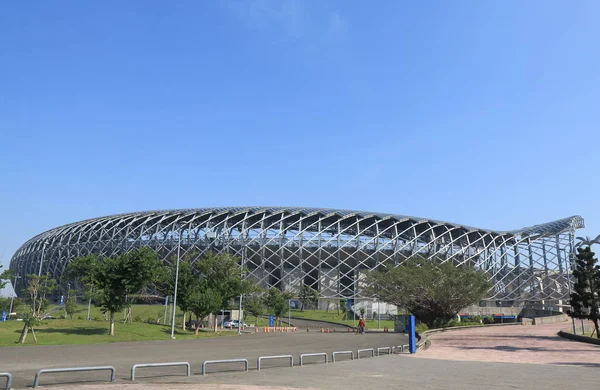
x=42, y=259
x=90, y=301
x=175, y=294
x=354, y=303
x=241, y=295
x=12, y=298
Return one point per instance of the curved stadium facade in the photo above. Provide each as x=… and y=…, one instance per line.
x=330, y=250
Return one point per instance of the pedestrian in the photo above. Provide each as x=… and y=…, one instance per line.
x=361, y=326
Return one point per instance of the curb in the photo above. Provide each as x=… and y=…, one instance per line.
x=581, y=339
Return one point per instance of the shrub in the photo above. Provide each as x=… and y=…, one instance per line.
x=422, y=327
x=137, y=319
x=80, y=317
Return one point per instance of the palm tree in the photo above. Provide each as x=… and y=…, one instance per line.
x=586, y=241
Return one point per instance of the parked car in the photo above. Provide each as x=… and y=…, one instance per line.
x=233, y=324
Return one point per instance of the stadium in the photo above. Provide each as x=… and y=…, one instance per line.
x=327, y=249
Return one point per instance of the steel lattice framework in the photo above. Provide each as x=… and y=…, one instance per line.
x=330, y=250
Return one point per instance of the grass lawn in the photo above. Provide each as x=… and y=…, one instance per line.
x=80, y=331
x=333, y=316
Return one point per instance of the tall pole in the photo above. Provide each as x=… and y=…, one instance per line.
x=378, y=315
x=571, y=262
x=175, y=294
x=42, y=259
x=166, y=306
x=289, y=312
x=90, y=301
x=354, y=304
x=241, y=295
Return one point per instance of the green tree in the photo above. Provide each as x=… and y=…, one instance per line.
x=308, y=296
x=203, y=301
x=434, y=293
x=586, y=296
x=37, y=291
x=254, y=307
x=117, y=277
x=187, y=282
x=276, y=302
x=223, y=274
x=342, y=306
x=4, y=277
x=70, y=304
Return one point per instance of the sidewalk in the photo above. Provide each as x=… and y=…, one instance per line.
x=512, y=344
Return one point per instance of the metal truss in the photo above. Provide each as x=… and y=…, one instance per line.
x=330, y=250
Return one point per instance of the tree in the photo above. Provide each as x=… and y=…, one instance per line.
x=434, y=293
x=585, y=299
x=344, y=308
x=4, y=277
x=70, y=304
x=203, y=301
x=116, y=277
x=254, y=307
x=308, y=295
x=223, y=274
x=187, y=282
x=37, y=290
x=276, y=301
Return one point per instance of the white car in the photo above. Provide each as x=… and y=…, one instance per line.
x=233, y=324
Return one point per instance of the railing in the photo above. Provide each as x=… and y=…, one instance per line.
x=8, y=377
x=133, y=368
x=372, y=350
x=274, y=357
x=388, y=349
x=245, y=361
x=342, y=353
x=36, y=381
x=312, y=354
x=398, y=348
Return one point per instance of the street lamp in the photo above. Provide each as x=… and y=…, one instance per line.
x=241, y=295
x=354, y=302
x=42, y=259
x=176, y=281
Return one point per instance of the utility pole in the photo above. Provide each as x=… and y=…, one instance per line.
x=176, y=280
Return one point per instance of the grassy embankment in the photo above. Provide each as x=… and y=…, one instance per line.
x=333, y=316
x=80, y=331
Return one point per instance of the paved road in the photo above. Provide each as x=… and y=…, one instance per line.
x=513, y=344
x=383, y=373
x=22, y=362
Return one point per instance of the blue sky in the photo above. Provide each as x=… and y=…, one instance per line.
x=476, y=112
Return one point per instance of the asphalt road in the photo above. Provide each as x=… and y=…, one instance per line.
x=23, y=362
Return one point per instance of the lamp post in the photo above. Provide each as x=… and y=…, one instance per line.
x=176, y=280
x=241, y=295
x=12, y=298
x=42, y=259
x=90, y=301
x=354, y=303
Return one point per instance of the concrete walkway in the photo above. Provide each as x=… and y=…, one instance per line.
x=513, y=344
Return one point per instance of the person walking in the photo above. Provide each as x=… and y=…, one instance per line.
x=361, y=326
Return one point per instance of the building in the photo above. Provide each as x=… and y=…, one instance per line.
x=330, y=250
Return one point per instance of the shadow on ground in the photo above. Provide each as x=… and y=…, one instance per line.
x=76, y=330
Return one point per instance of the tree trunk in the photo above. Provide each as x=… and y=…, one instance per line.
x=197, y=325
x=112, y=324
x=301, y=306
x=597, y=330
x=24, y=334
x=183, y=322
